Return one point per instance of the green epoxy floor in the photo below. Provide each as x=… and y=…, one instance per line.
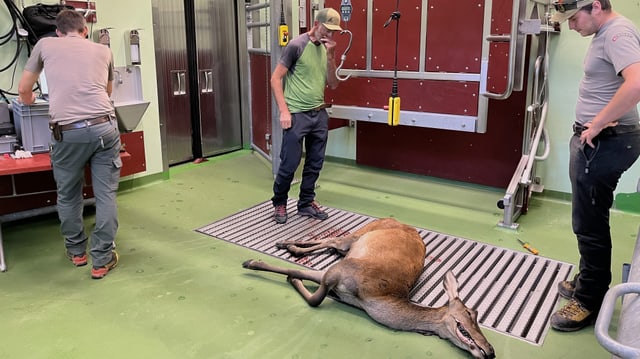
x=181, y=294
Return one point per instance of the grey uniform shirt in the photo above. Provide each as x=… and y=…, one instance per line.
x=77, y=72
x=614, y=47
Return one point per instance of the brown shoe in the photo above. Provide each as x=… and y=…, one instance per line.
x=573, y=316
x=101, y=272
x=78, y=260
x=280, y=213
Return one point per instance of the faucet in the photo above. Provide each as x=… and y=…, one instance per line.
x=119, y=76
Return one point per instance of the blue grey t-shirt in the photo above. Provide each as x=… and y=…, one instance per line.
x=614, y=47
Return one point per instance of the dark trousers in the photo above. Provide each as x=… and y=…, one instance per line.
x=594, y=174
x=312, y=127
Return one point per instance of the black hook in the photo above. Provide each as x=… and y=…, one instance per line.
x=394, y=16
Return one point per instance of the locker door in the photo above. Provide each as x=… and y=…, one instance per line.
x=173, y=80
x=218, y=76
x=198, y=78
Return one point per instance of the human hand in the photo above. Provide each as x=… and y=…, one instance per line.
x=328, y=43
x=27, y=100
x=592, y=131
x=285, y=120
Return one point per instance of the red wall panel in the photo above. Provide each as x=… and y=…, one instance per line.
x=487, y=159
x=260, y=70
x=453, y=45
x=356, y=58
x=384, y=39
x=450, y=97
x=454, y=36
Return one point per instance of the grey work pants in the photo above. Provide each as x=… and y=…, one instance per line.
x=99, y=147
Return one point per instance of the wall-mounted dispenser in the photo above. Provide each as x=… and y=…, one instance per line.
x=133, y=54
x=103, y=36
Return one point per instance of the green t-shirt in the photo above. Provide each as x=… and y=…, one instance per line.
x=306, y=79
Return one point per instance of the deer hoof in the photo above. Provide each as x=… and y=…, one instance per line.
x=248, y=264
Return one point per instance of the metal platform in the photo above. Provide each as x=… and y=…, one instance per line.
x=514, y=293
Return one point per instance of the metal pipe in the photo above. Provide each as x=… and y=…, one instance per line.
x=257, y=6
x=251, y=25
x=534, y=146
x=604, y=320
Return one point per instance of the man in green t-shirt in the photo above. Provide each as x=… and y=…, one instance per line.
x=298, y=82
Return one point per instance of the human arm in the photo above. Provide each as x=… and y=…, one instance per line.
x=25, y=87
x=627, y=96
x=277, y=88
x=332, y=80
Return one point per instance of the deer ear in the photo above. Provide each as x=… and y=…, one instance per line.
x=450, y=285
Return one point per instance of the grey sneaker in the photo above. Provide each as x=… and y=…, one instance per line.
x=313, y=210
x=566, y=288
x=280, y=214
x=573, y=316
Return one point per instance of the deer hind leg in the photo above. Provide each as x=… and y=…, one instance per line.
x=301, y=247
x=295, y=277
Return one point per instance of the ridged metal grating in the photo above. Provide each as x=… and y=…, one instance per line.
x=515, y=293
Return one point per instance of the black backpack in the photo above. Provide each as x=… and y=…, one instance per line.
x=42, y=20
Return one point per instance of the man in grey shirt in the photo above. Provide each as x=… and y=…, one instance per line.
x=79, y=74
x=606, y=142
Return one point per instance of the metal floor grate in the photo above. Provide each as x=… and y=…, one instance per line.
x=514, y=293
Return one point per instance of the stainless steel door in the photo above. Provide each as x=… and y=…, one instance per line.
x=200, y=111
x=218, y=76
x=173, y=80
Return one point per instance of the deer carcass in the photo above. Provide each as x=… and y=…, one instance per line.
x=382, y=262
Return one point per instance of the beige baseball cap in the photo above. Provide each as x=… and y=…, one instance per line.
x=567, y=8
x=329, y=18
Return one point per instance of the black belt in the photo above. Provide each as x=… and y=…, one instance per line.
x=83, y=123
x=321, y=107
x=607, y=131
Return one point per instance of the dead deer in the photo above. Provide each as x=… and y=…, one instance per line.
x=382, y=262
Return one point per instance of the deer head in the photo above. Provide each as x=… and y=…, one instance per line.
x=461, y=323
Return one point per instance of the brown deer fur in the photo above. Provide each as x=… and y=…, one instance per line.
x=382, y=262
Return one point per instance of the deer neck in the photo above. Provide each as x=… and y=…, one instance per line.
x=401, y=314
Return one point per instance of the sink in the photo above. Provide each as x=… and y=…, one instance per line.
x=129, y=114
x=127, y=97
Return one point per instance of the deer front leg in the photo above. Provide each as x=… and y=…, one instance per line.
x=301, y=248
x=307, y=274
